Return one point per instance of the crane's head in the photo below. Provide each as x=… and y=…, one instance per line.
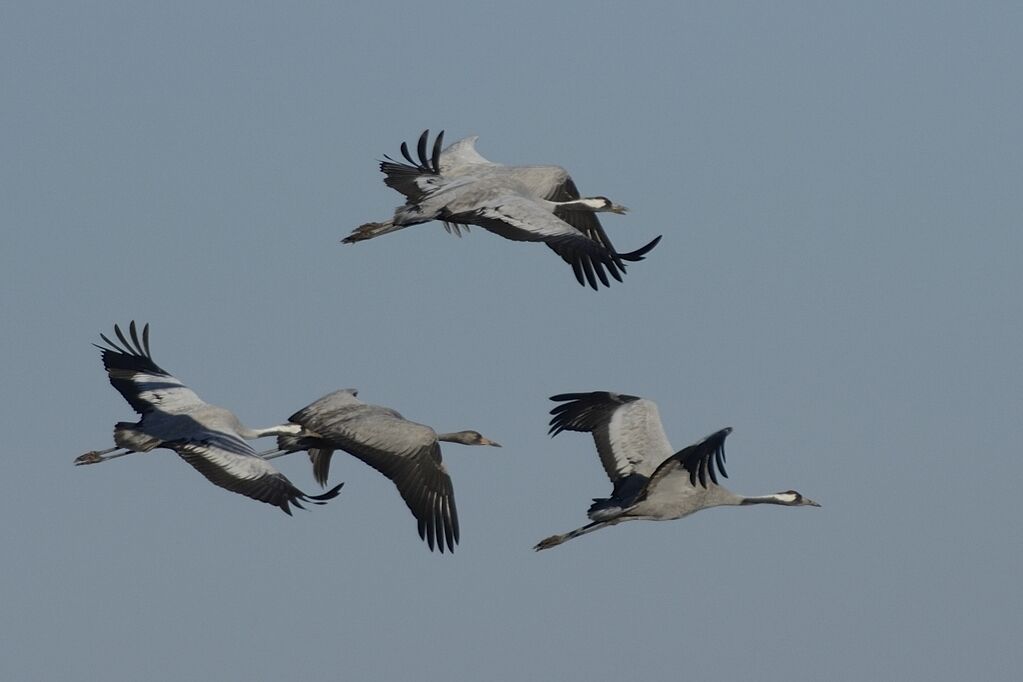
x=467, y=438
x=794, y=499
x=591, y=204
x=604, y=204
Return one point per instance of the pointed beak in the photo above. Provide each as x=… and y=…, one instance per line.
x=808, y=501
x=619, y=209
x=487, y=441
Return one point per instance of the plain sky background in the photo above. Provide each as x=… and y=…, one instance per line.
x=839, y=189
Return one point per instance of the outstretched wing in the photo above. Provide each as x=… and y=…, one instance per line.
x=517, y=217
x=403, y=451
x=461, y=156
x=143, y=383
x=695, y=463
x=230, y=462
x=626, y=429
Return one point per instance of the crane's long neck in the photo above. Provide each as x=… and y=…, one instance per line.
x=585, y=204
x=278, y=430
x=787, y=499
x=456, y=437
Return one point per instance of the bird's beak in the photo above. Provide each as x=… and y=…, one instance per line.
x=619, y=209
x=487, y=441
x=808, y=501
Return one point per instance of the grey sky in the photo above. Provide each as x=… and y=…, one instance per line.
x=839, y=190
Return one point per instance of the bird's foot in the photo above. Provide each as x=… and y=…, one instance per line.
x=547, y=543
x=361, y=233
x=88, y=458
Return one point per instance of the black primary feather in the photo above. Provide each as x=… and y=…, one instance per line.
x=705, y=458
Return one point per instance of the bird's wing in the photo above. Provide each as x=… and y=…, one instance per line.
x=518, y=217
x=561, y=187
x=146, y=386
x=228, y=461
x=403, y=451
x=692, y=466
x=414, y=178
x=461, y=156
x=320, y=452
x=328, y=404
x=626, y=429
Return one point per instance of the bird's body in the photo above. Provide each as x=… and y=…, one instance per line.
x=404, y=451
x=210, y=438
x=459, y=187
x=651, y=482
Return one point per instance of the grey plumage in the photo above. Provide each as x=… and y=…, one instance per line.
x=406, y=452
x=210, y=438
x=650, y=481
x=460, y=187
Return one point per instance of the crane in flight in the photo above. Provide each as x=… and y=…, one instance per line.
x=459, y=187
x=404, y=451
x=651, y=481
x=210, y=438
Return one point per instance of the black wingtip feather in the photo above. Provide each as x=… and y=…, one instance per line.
x=120, y=335
x=436, y=152
x=405, y=153
x=577, y=268
x=641, y=252
x=706, y=458
x=599, y=268
x=584, y=411
x=616, y=270
x=421, y=148
x=588, y=270
x=329, y=495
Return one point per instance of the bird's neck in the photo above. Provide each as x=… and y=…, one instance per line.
x=457, y=437
x=787, y=499
x=278, y=430
x=591, y=205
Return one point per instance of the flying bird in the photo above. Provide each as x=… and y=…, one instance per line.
x=459, y=187
x=210, y=438
x=404, y=451
x=651, y=482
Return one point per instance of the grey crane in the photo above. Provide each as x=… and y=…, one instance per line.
x=404, y=451
x=459, y=187
x=651, y=482
x=210, y=438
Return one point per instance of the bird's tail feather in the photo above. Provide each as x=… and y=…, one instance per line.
x=320, y=458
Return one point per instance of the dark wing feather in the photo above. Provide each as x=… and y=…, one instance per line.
x=520, y=218
x=626, y=430
x=585, y=411
x=144, y=384
x=403, y=451
x=425, y=486
x=588, y=260
x=402, y=177
x=245, y=473
x=701, y=460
